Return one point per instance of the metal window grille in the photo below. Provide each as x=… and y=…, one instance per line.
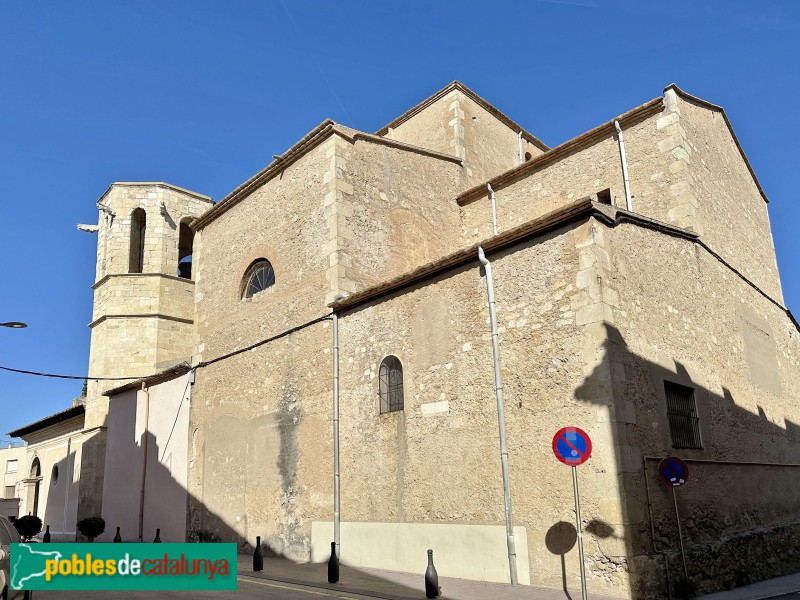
x=684, y=424
x=390, y=383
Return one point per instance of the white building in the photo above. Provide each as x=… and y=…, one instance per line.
x=49, y=470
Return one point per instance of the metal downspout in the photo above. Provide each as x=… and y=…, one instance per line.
x=519, y=146
x=626, y=181
x=336, y=477
x=144, y=460
x=67, y=483
x=501, y=420
x=494, y=209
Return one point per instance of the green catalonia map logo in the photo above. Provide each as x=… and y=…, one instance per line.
x=123, y=566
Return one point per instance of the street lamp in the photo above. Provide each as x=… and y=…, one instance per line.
x=14, y=324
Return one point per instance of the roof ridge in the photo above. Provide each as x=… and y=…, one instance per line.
x=491, y=109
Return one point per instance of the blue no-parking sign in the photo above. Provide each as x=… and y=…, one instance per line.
x=673, y=472
x=572, y=446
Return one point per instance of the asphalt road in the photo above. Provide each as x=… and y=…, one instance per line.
x=248, y=588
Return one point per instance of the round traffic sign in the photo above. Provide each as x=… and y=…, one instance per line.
x=673, y=472
x=572, y=446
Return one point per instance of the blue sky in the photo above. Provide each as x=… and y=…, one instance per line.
x=202, y=94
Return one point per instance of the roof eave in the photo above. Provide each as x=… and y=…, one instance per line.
x=561, y=151
x=306, y=143
x=54, y=419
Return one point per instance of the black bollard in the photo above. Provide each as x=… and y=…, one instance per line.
x=333, y=565
x=431, y=578
x=157, y=539
x=46, y=536
x=258, y=556
x=118, y=537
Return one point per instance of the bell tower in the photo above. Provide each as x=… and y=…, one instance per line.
x=143, y=302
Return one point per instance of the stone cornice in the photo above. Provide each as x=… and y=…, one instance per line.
x=141, y=316
x=354, y=136
x=160, y=184
x=105, y=278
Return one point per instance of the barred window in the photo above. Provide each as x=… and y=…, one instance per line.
x=390, y=382
x=684, y=424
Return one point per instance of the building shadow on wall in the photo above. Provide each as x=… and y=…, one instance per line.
x=162, y=490
x=739, y=510
x=52, y=497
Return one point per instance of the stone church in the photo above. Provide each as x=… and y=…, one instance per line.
x=445, y=294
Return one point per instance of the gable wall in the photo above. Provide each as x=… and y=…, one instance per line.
x=731, y=213
x=457, y=125
x=688, y=319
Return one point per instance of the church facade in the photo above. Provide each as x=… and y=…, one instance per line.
x=636, y=292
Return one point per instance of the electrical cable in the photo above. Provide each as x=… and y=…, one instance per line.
x=200, y=365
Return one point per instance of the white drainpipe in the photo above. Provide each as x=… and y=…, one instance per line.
x=519, y=145
x=501, y=420
x=337, y=510
x=624, y=167
x=494, y=209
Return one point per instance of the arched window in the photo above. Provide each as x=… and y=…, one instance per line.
x=36, y=474
x=138, y=223
x=185, y=242
x=258, y=277
x=390, y=383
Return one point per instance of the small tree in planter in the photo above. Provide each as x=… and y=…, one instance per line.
x=28, y=526
x=91, y=527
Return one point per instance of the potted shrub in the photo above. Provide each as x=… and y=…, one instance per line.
x=28, y=526
x=91, y=527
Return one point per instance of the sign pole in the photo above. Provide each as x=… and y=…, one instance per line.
x=579, y=527
x=680, y=533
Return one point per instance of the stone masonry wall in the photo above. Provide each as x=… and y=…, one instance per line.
x=730, y=210
x=399, y=214
x=688, y=319
x=286, y=221
x=437, y=461
x=260, y=445
x=260, y=423
x=457, y=125
x=582, y=173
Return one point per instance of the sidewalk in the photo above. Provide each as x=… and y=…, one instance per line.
x=394, y=585
x=772, y=588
